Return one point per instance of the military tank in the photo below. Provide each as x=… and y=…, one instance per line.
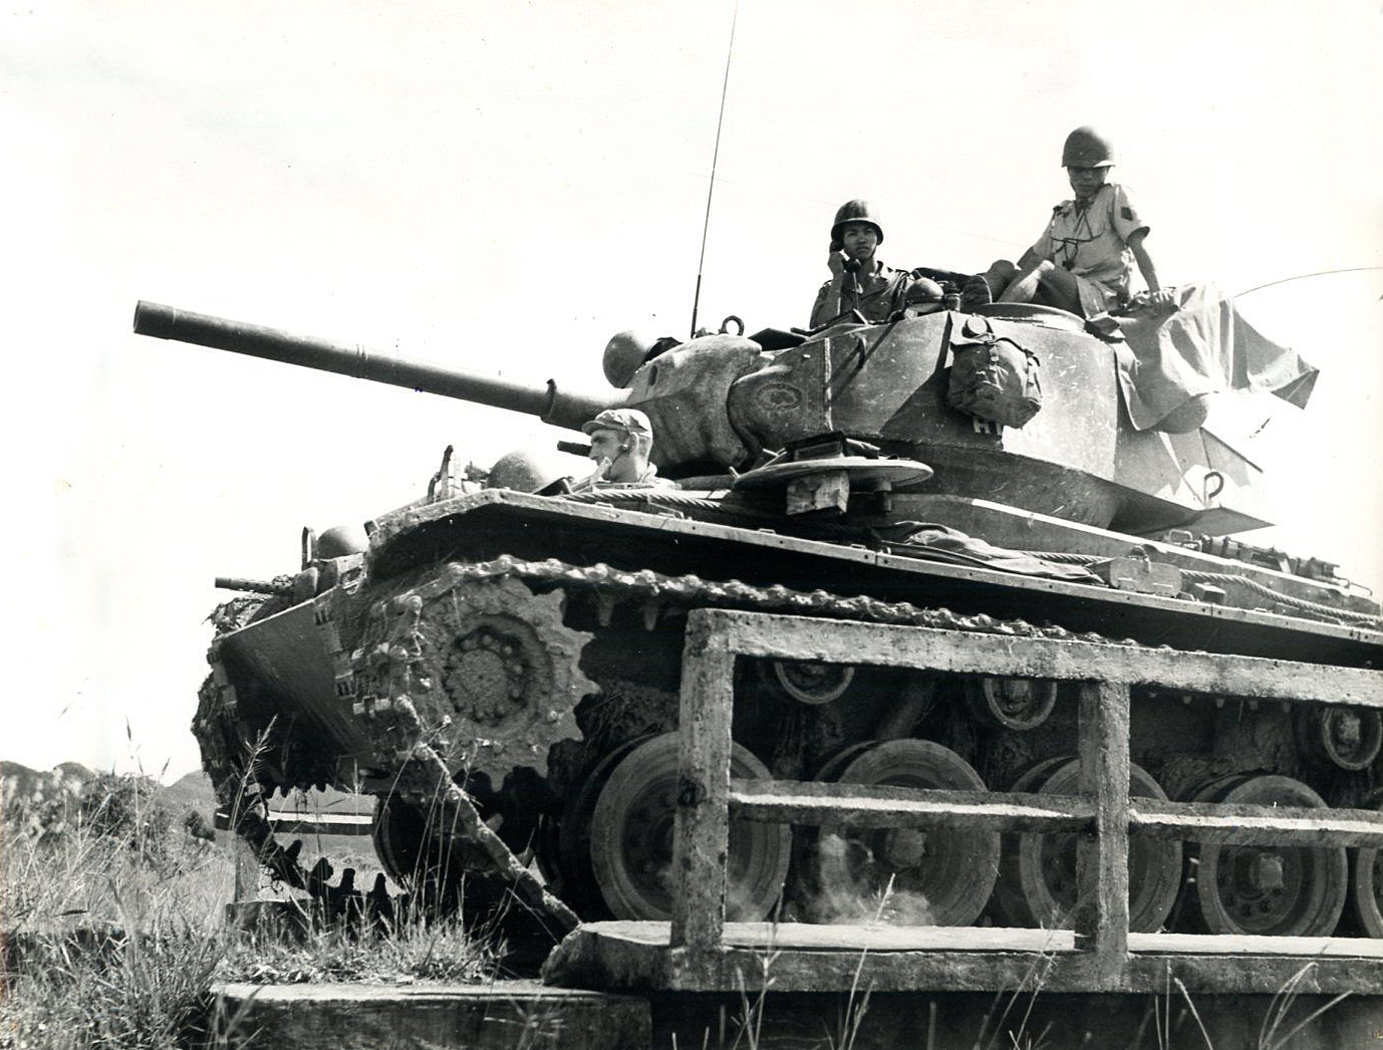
x=499, y=662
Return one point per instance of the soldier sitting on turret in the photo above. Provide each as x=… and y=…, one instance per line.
x=621, y=439
x=1085, y=256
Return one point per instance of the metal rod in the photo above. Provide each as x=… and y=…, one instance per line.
x=715, y=157
x=560, y=408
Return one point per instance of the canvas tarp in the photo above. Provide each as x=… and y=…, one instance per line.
x=1203, y=347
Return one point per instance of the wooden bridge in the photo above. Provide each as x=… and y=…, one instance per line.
x=699, y=951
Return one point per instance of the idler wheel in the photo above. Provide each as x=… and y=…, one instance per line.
x=1346, y=737
x=806, y=681
x=1037, y=880
x=1011, y=703
x=1366, y=881
x=631, y=839
x=917, y=876
x=1281, y=891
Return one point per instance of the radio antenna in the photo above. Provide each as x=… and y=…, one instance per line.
x=1303, y=276
x=715, y=156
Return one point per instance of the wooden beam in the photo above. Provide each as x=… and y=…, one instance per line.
x=797, y=957
x=1101, y=914
x=701, y=828
x=841, y=641
x=308, y=824
x=1255, y=825
x=887, y=806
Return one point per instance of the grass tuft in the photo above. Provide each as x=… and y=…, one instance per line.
x=112, y=920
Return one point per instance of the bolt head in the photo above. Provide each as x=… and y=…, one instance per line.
x=905, y=848
x=1266, y=872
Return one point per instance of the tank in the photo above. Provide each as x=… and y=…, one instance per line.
x=500, y=666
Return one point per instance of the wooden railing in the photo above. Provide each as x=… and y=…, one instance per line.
x=1103, y=810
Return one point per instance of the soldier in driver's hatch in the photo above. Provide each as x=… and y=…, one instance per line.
x=621, y=440
x=1085, y=256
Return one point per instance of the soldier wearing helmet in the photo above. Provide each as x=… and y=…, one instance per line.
x=621, y=440
x=859, y=281
x=1085, y=257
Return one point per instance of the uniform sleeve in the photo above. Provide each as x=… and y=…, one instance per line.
x=1123, y=214
x=827, y=305
x=1043, y=247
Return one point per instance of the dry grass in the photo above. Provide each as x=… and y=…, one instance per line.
x=114, y=937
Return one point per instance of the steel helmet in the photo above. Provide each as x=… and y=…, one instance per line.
x=525, y=470
x=1087, y=148
x=341, y=540
x=623, y=354
x=855, y=211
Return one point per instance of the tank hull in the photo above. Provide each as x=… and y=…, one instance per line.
x=588, y=599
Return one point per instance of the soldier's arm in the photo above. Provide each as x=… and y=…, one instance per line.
x=828, y=303
x=1143, y=259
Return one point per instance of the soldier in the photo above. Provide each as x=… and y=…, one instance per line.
x=621, y=439
x=859, y=281
x=1084, y=258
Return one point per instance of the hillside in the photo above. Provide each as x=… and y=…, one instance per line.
x=19, y=783
x=192, y=791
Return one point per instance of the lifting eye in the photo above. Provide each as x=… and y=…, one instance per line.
x=1214, y=484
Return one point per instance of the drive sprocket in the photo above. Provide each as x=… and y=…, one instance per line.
x=488, y=665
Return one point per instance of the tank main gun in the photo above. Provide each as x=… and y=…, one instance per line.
x=560, y=408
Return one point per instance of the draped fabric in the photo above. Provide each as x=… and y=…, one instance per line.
x=1204, y=347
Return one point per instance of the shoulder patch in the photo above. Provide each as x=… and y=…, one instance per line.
x=1126, y=212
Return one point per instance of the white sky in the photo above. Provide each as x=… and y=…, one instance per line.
x=502, y=186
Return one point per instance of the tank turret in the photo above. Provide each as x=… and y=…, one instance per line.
x=726, y=402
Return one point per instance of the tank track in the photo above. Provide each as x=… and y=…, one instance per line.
x=243, y=787
x=375, y=680
x=418, y=772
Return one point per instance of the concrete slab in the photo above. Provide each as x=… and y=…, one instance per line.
x=502, y=1016
x=1031, y=1017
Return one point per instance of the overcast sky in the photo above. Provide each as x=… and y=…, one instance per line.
x=502, y=186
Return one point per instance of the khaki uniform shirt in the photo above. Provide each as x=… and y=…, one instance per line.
x=649, y=479
x=1092, y=243
x=880, y=295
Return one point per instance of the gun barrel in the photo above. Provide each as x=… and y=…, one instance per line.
x=560, y=408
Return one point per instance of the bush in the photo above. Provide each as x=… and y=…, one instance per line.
x=123, y=807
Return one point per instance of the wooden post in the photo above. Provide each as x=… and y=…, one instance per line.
x=246, y=871
x=1101, y=921
x=701, y=841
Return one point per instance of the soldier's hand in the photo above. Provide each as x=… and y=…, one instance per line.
x=836, y=262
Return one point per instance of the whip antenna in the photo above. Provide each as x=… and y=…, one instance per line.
x=715, y=156
x=1303, y=276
